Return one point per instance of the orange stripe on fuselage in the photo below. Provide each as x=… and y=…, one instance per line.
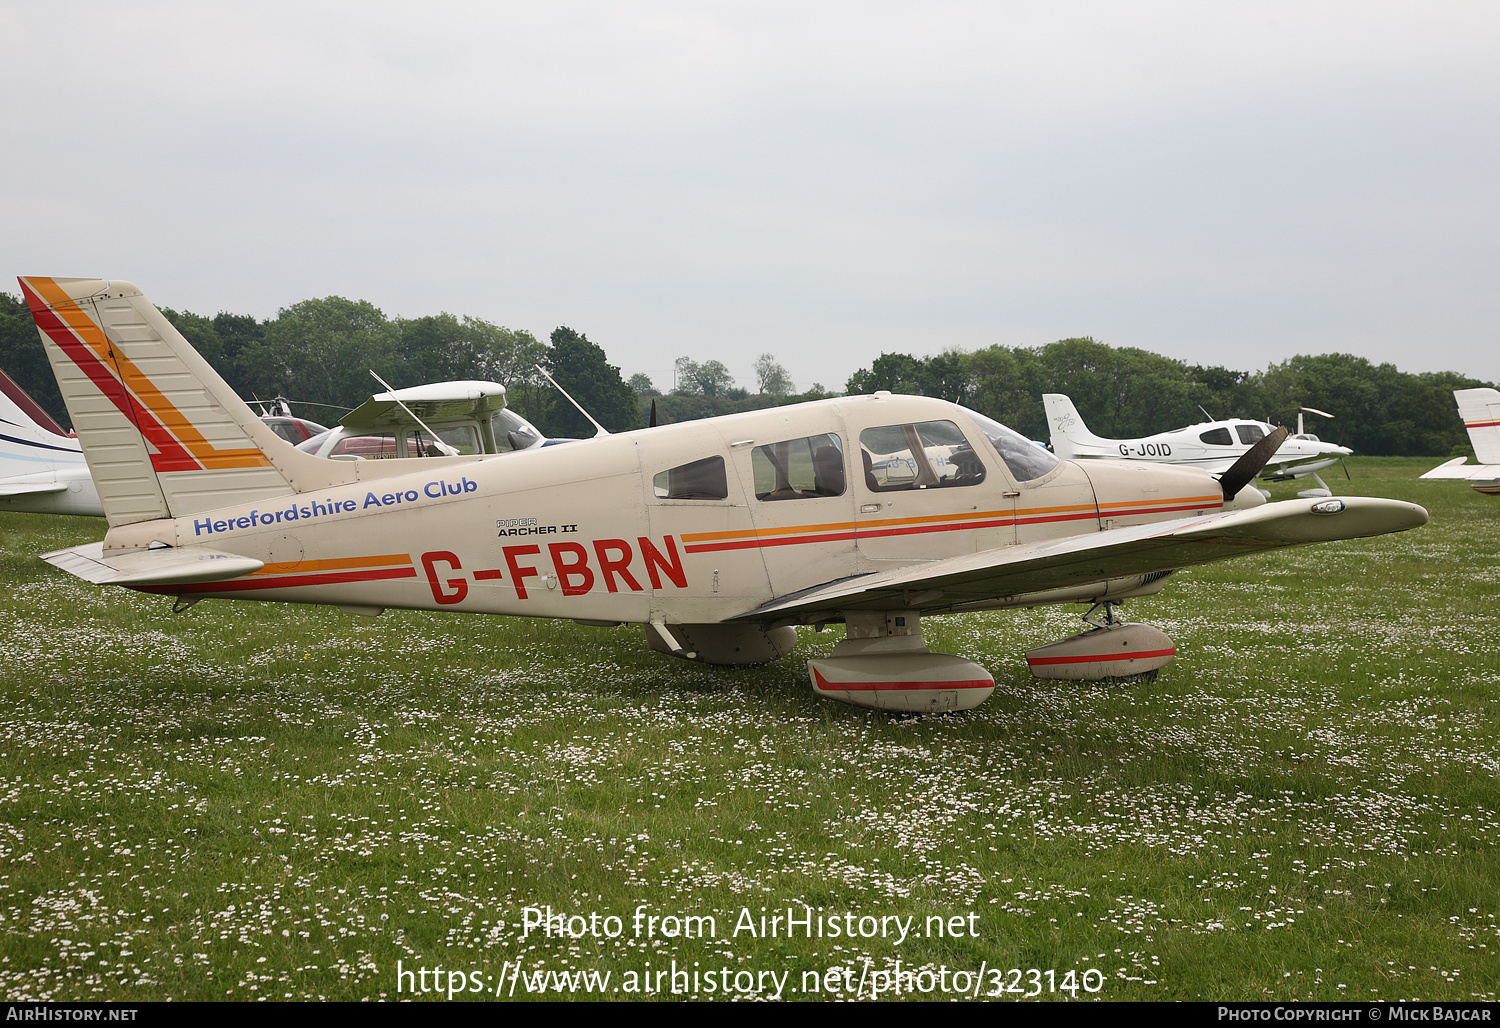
x=958, y=522
x=333, y=564
x=139, y=383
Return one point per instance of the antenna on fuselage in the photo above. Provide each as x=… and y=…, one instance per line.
x=601, y=428
x=448, y=451
x=1206, y=414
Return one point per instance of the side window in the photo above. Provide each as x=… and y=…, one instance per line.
x=799, y=468
x=462, y=438
x=1217, y=437
x=1250, y=433
x=929, y=455
x=367, y=447
x=701, y=480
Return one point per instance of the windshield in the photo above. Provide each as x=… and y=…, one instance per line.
x=513, y=432
x=1026, y=459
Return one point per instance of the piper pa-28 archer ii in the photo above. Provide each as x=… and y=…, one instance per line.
x=1213, y=446
x=1480, y=409
x=719, y=536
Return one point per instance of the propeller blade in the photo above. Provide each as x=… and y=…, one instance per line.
x=652, y=423
x=1346, y=469
x=1251, y=461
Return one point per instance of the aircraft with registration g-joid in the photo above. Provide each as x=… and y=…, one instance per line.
x=721, y=537
x=1212, y=445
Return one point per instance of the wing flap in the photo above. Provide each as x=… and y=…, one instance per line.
x=1103, y=556
x=167, y=565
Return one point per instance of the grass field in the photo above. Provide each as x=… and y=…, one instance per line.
x=258, y=801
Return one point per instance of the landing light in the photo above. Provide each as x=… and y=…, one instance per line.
x=1328, y=507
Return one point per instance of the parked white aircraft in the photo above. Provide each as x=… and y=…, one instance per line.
x=1480, y=409
x=42, y=469
x=719, y=536
x=1212, y=445
x=467, y=417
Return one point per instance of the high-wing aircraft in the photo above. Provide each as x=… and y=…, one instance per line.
x=1212, y=445
x=1480, y=409
x=719, y=536
x=466, y=417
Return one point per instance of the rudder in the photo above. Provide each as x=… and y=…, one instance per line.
x=1480, y=409
x=163, y=434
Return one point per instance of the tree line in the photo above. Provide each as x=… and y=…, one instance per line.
x=319, y=353
x=1126, y=392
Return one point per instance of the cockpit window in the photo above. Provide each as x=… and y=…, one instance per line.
x=1250, y=433
x=701, y=480
x=1217, y=437
x=799, y=469
x=1025, y=459
x=929, y=455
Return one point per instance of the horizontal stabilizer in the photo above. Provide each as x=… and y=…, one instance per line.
x=1460, y=471
x=31, y=488
x=165, y=565
x=1084, y=560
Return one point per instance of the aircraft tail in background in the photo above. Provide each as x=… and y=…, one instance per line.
x=1480, y=409
x=41, y=467
x=1069, y=433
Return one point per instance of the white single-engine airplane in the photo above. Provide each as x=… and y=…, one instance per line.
x=719, y=536
x=1213, y=446
x=1480, y=409
x=41, y=467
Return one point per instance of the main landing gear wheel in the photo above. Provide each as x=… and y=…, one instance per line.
x=883, y=663
x=1109, y=649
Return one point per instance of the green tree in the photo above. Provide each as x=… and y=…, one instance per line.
x=771, y=378
x=711, y=378
x=640, y=383
x=24, y=359
x=322, y=351
x=580, y=367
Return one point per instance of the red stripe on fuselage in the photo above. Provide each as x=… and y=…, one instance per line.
x=287, y=582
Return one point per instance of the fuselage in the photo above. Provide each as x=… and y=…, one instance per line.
x=43, y=472
x=688, y=523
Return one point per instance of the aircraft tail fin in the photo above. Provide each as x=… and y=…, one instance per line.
x=163, y=434
x=1068, y=429
x=17, y=407
x=1480, y=409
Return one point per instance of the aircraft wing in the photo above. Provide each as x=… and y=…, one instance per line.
x=1117, y=553
x=165, y=565
x=1457, y=469
x=31, y=488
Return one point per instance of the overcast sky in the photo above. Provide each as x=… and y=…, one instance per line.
x=1226, y=183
